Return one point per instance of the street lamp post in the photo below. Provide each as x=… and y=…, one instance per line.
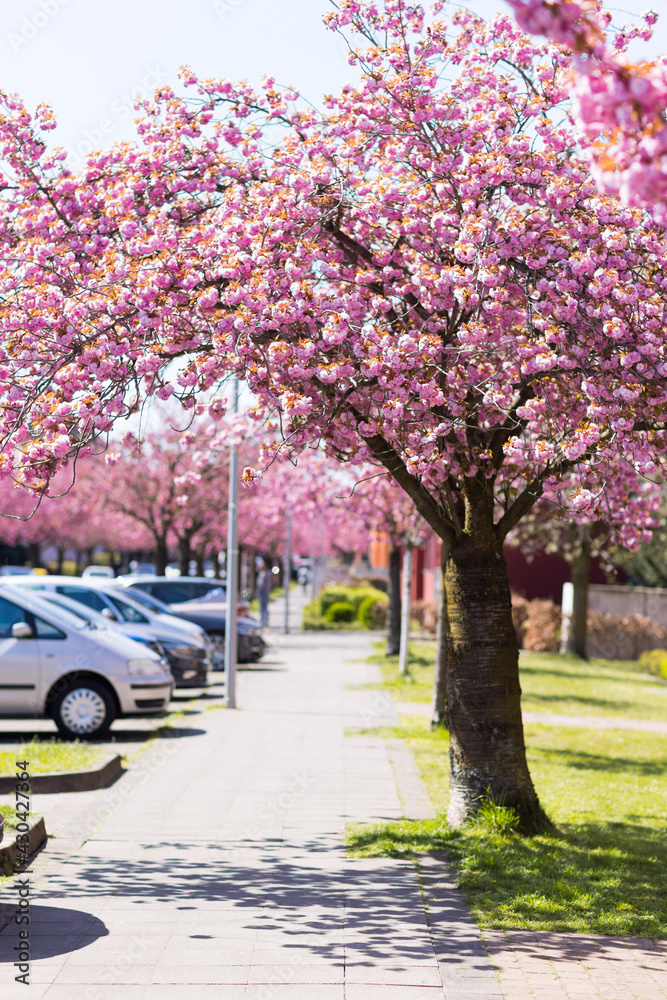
x=232, y=566
x=287, y=572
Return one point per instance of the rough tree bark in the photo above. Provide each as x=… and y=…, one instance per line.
x=439, y=703
x=487, y=748
x=481, y=662
x=580, y=567
x=184, y=555
x=394, y=636
x=161, y=556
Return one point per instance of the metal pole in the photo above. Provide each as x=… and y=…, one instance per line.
x=405, y=610
x=232, y=563
x=287, y=571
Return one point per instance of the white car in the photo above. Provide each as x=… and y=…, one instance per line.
x=109, y=600
x=189, y=659
x=103, y=572
x=53, y=664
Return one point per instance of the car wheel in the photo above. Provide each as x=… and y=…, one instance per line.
x=85, y=709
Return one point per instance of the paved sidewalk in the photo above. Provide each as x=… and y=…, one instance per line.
x=535, y=965
x=221, y=871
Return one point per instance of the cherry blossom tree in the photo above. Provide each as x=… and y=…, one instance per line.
x=172, y=483
x=619, y=104
x=423, y=277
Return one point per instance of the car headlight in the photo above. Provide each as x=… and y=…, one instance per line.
x=145, y=668
x=180, y=650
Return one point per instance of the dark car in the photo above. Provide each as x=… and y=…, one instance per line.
x=209, y=615
x=180, y=589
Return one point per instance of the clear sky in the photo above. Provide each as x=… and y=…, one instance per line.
x=87, y=58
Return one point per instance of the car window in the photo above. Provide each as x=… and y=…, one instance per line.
x=88, y=597
x=45, y=630
x=10, y=614
x=172, y=592
x=201, y=589
x=148, y=600
x=129, y=613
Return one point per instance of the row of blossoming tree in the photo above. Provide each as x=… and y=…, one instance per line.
x=168, y=492
x=423, y=276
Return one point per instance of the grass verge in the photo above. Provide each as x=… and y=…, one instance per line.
x=48, y=756
x=563, y=685
x=605, y=873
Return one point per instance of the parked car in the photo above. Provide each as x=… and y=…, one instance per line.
x=189, y=659
x=53, y=664
x=103, y=596
x=15, y=571
x=105, y=572
x=181, y=589
x=209, y=613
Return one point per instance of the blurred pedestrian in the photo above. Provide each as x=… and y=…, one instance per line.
x=264, y=586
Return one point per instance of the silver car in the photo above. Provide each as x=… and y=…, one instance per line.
x=186, y=645
x=53, y=664
x=187, y=656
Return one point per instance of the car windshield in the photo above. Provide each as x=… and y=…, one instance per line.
x=75, y=609
x=61, y=615
x=141, y=597
x=128, y=611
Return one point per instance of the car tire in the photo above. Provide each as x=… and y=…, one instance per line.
x=83, y=710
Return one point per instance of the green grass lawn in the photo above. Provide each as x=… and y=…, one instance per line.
x=606, y=870
x=550, y=683
x=46, y=756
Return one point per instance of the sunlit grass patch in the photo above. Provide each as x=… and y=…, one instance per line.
x=51, y=755
x=550, y=683
x=606, y=870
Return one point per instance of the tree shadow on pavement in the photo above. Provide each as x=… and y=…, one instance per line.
x=308, y=897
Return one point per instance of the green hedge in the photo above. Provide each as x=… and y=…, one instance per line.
x=353, y=608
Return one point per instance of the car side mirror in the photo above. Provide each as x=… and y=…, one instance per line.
x=21, y=630
x=108, y=613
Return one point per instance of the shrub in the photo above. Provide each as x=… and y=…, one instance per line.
x=333, y=595
x=654, y=661
x=366, y=615
x=340, y=612
x=541, y=629
x=623, y=638
x=380, y=617
x=425, y=614
x=519, y=615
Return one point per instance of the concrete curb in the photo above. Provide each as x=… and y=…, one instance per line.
x=100, y=776
x=10, y=852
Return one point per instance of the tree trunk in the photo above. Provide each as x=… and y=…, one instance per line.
x=200, y=557
x=487, y=749
x=439, y=703
x=34, y=554
x=184, y=555
x=394, y=637
x=161, y=556
x=580, y=567
x=403, y=653
x=61, y=558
